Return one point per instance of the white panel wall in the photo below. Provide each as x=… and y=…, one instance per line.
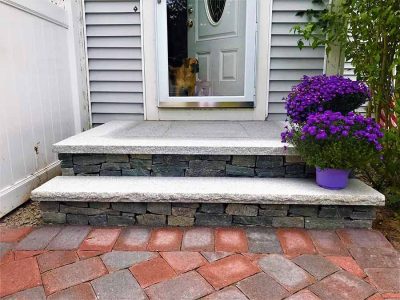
x=115, y=60
x=288, y=63
x=35, y=95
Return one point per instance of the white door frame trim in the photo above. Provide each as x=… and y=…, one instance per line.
x=149, y=38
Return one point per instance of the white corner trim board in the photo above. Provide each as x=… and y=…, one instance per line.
x=13, y=196
x=41, y=9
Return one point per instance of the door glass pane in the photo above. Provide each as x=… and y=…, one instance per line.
x=206, y=47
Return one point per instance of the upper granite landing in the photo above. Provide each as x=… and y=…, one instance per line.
x=180, y=137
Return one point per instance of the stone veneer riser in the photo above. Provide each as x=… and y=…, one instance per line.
x=184, y=165
x=189, y=214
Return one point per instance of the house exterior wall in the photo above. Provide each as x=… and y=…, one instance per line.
x=36, y=96
x=115, y=62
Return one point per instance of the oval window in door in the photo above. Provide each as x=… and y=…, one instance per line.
x=215, y=9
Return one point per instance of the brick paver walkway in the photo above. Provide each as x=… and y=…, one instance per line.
x=79, y=263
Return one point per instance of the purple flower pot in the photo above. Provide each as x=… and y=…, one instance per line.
x=332, y=179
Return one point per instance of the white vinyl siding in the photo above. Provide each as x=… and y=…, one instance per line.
x=115, y=60
x=288, y=63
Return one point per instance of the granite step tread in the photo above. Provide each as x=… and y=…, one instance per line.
x=204, y=190
x=180, y=137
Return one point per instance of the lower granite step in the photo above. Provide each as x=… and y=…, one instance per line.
x=219, y=201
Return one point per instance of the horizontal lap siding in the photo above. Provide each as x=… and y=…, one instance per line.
x=288, y=63
x=115, y=60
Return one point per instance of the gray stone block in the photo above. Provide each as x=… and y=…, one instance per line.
x=113, y=166
x=49, y=206
x=244, y=160
x=88, y=159
x=207, y=164
x=141, y=156
x=110, y=173
x=135, y=172
x=269, y=161
x=75, y=203
x=169, y=171
x=87, y=174
x=120, y=220
x=66, y=164
x=170, y=160
x=77, y=219
x=99, y=205
x=184, y=211
x=258, y=220
x=271, y=173
x=141, y=164
x=242, y=209
x=345, y=211
x=188, y=205
x=214, y=157
x=295, y=169
x=297, y=222
x=364, y=215
x=65, y=156
x=137, y=208
x=212, y=208
x=159, y=208
x=362, y=208
x=81, y=210
x=86, y=168
x=180, y=221
x=213, y=219
x=117, y=158
x=67, y=171
x=303, y=210
x=99, y=220
x=358, y=224
x=151, y=220
x=323, y=223
x=239, y=171
x=204, y=173
x=53, y=217
x=329, y=212
x=293, y=159
x=272, y=213
x=274, y=206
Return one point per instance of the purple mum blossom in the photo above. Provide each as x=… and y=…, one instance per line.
x=314, y=93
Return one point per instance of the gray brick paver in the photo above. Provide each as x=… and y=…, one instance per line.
x=117, y=260
x=69, y=238
x=39, y=238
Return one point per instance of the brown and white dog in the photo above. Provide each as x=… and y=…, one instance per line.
x=183, y=78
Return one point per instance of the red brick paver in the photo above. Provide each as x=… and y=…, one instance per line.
x=347, y=263
x=100, y=240
x=182, y=261
x=231, y=240
x=328, y=243
x=386, y=280
x=295, y=242
x=55, y=259
x=78, y=262
x=228, y=270
x=19, y=275
x=152, y=271
x=342, y=286
x=82, y=291
x=133, y=239
x=12, y=235
x=363, y=238
x=73, y=274
x=165, y=239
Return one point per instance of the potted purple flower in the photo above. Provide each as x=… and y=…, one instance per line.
x=321, y=93
x=335, y=144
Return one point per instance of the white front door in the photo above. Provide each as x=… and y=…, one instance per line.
x=216, y=37
x=221, y=35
